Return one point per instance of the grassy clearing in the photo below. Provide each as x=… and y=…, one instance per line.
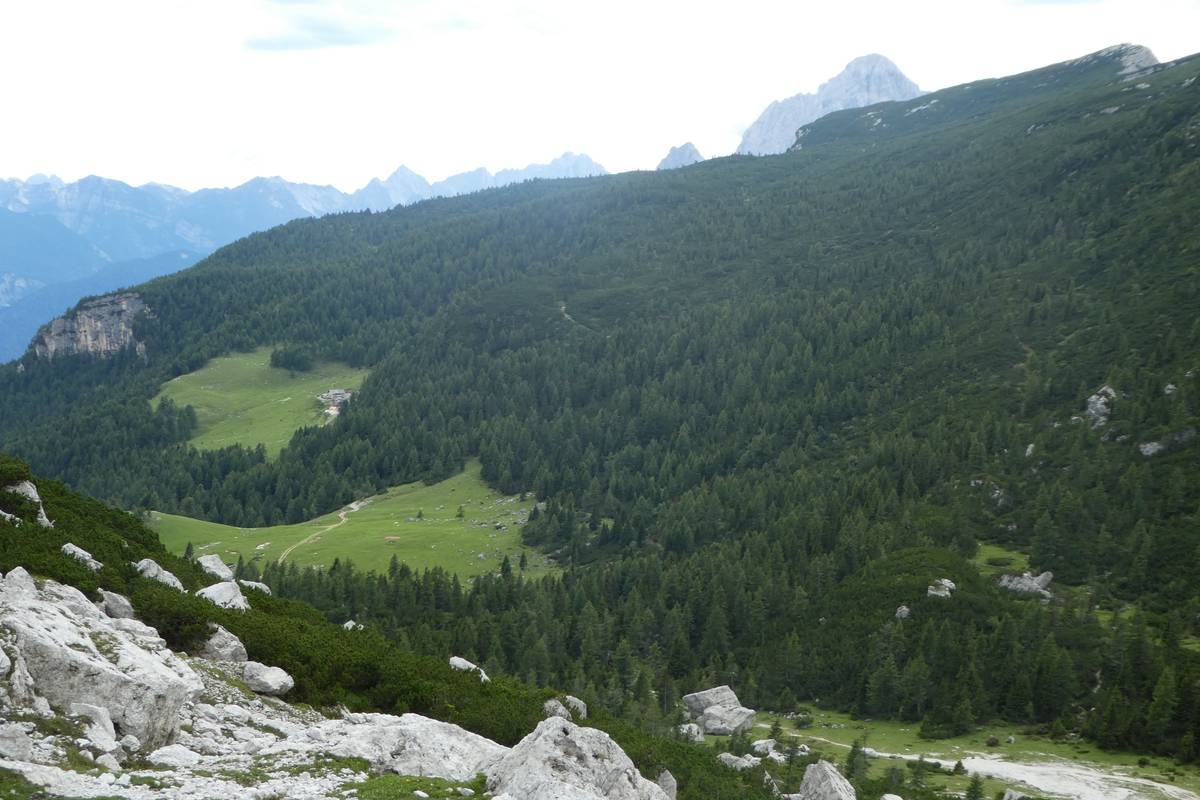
x=418, y=524
x=241, y=399
x=832, y=733
x=992, y=559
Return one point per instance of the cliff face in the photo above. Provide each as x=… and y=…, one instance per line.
x=99, y=327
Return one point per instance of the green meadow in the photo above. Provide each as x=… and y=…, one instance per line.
x=418, y=524
x=241, y=399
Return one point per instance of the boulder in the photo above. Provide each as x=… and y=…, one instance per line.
x=553, y=708
x=68, y=651
x=738, y=762
x=408, y=745
x=666, y=781
x=576, y=705
x=15, y=742
x=100, y=731
x=213, y=565
x=256, y=585
x=761, y=747
x=82, y=556
x=226, y=594
x=891, y=797
x=1099, y=405
x=1013, y=794
x=560, y=760
x=721, y=721
x=149, y=568
x=174, y=755
x=822, y=781
x=1026, y=583
x=691, y=732
x=466, y=666
x=903, y=612
x=266, y=680
x=5, y=664
x=698, y=702
x=27, y=490
x=351, y=625
x=115, y=605
x=109, y=762
x=222, y=646
x=942, y=587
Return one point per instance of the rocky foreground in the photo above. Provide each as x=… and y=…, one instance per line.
x=94, y=704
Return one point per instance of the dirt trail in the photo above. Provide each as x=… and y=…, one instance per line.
x=343, y=515
x=1055, y=776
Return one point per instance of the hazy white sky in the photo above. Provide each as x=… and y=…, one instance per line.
x=213, y=93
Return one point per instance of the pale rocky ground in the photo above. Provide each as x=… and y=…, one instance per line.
x=93, y=705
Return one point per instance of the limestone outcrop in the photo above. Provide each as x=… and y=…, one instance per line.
x=68, y=651
x=461, y=664
x=560, y=760
x=718, y=711
x=822, y=781
x=100, y=327
x=149, y=568
x=1027, y=583
x=82, y=556
x=27, y=490
x=226, y=594
x=214, y=566
x=222, y=646
x=266, y=680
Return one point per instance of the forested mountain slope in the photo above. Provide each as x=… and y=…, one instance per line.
x=766, y=391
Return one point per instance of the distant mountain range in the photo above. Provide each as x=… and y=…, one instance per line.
x=60, y=241
x=865, y=81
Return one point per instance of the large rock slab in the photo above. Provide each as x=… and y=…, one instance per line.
x=27, y=490
x=213, y=565
x=116, y=605
x=721, y=721
x=149, y=568
x=267, y=680
x=561, y=761
x=222, y=646
x=1027, y=583
x=822, y=781
x=698, y=702
x=461, y=664
x=408, y=745
x=70, y=652
x=226, y=594
x=82, y=556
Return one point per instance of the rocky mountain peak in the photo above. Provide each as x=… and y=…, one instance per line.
x=865, y=81
x=681, y=156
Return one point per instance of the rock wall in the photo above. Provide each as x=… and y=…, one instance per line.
x=100, y=327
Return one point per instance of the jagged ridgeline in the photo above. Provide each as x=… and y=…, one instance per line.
x=968, y=317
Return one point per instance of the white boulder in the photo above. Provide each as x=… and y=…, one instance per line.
x=1027, y=583
x=575, y=704
x=738, y=763
x=261, y=587
x=463, y=665
x=174, y=755
x=561, y=761
x=115, y=605
x=666, y=781
x=698, y=702
x=408, y=745
x=351, y=625
x=149, y=568
x=760, y=747
x=891, y=797
x=226, y=594
x=942, y=587
x=553, y=708
x=69, y=652
x=213, y=565
x=691, y=732
x=15, y=742
x=82, y=556
x=722, y=721
x=1099, y=405
x=222, y=646
x=903, y=612
x=100, y=731
x=266, y=680
x=27, y=490
x=822, y=781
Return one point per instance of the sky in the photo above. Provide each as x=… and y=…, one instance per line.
x=201, y=94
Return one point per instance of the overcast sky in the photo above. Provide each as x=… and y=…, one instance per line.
x=213, y=93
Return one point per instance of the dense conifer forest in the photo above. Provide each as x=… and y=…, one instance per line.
x=765, y=402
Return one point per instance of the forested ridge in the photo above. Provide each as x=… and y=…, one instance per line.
x=765, y=401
